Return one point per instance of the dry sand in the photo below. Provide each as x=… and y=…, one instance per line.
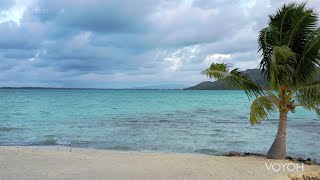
x=59, y=163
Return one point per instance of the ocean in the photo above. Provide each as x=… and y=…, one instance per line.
x=205, y=122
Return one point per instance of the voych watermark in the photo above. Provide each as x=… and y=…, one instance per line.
x=276, y=167
x=37, y=11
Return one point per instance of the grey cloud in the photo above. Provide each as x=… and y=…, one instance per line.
x=13, y=36
x=93, y=43
x=100, y=16
x=6, y=4
x=214, y=4
x=19, y=54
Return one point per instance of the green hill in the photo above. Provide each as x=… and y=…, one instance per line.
x=254, y=74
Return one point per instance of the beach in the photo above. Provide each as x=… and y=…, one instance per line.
x=18, y=162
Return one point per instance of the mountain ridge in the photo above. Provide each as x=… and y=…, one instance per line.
x=254, y=74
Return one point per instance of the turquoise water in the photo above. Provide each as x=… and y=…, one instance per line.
x=209, y=122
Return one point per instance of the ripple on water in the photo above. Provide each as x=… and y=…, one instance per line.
x=7, y=129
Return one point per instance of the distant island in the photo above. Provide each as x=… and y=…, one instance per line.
x=254, y=74
x=65, y=88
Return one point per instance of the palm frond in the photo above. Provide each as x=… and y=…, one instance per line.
x=261, y=107
x=293, y=26
x=281, y=21
x=313, y=108
x=266, y=41
x=302, y=40
x=309, y=59
x=282, y=66
x=217, y=71
x=234, y=78
x=309, y=97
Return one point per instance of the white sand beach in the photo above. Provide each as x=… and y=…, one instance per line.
x=61, y=163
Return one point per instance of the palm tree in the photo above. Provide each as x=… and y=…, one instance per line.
x=290, y=57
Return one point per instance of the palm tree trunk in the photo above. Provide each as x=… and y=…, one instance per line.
x=278, y=148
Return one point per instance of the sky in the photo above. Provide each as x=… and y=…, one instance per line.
x=127, y=43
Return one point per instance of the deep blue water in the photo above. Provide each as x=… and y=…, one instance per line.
x=210, y=122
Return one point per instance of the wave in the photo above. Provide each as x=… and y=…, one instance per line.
x=51, y=142
x=7, y=129
x=208, y=151
x=164, y=120
x=121, y=148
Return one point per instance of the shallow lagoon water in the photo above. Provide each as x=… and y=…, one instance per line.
x=207, y=122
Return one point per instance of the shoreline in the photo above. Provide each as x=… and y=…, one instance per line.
x=34, y=162
x=298, y=159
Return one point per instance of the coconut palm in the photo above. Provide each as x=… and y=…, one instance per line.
x=290, y=57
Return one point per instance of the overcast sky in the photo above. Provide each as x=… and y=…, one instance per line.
x=127, y=43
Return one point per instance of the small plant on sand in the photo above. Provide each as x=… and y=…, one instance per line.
x=290, y=57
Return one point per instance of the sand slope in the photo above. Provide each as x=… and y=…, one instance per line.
x=60, y=163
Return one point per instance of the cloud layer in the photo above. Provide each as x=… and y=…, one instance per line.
x=124, y=43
